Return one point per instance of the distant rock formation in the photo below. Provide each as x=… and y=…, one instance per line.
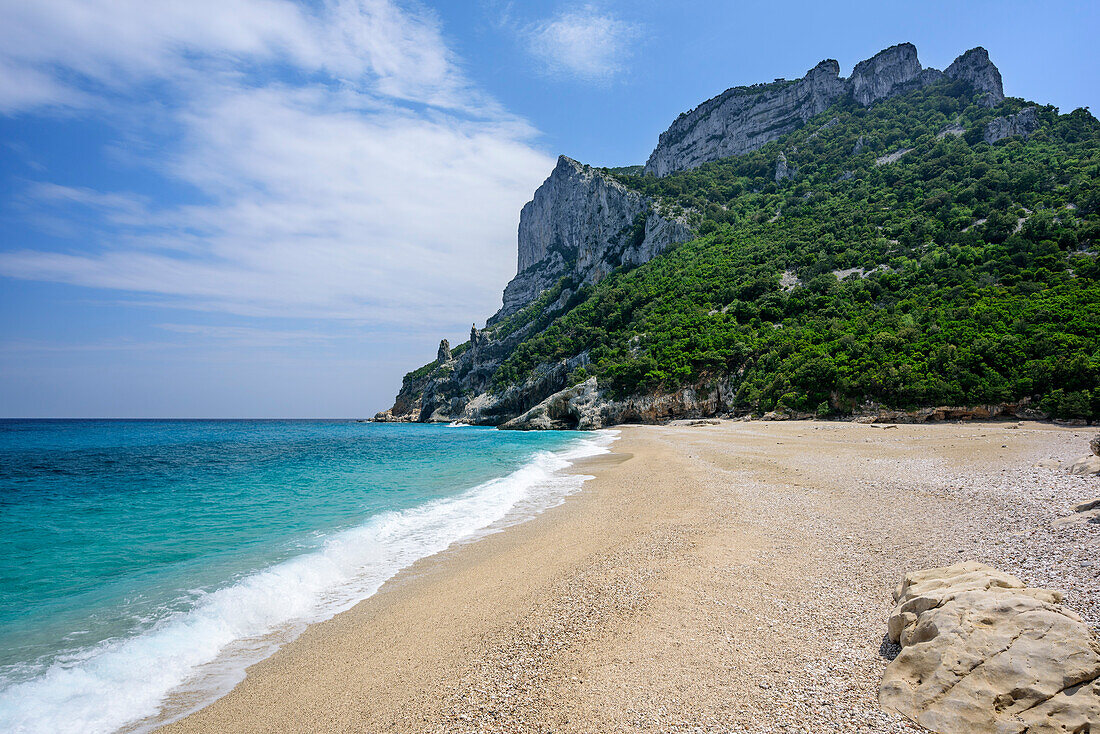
x=975, y=68
x=889, y=72
x=444, y=352
x=744, y=119
x=981, y=652
x=1023, y=123
x=584, y=223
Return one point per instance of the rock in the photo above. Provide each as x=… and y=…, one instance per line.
x=784, y=171
x=954, y=130
x=859, y=146
x=1094, y=444
x=743, y=119
x=891, y=157
x=444, y=352
x=983, y=653
x=1023, y=123
x=575, y=408
x=1086, y=465
x=887, y=73
x=584, y=223
x=1083, y=514
x=975, y=68
x=943, y=413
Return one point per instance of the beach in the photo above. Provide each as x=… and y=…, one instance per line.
x=711, y=577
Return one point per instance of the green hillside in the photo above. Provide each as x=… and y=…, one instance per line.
x=961, y=273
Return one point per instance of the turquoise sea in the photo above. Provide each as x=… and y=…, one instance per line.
x=145, y=564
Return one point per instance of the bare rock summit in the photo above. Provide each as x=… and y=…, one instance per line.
x=743, y=119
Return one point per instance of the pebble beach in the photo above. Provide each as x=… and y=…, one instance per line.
x=717, y=577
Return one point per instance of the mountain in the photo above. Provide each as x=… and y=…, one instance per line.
x=902, y=239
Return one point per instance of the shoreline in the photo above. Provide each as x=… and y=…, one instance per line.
x=712, y=576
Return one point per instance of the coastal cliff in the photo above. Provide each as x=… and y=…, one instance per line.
x=583, y=223
x=882, y=245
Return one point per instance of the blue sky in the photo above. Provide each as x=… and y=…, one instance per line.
x=266, y=208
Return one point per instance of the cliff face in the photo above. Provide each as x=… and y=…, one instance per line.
x=743, y=119
x=581, y=222
x=891, y=71
x=975, y=68
x=584, y=223
x=1023, y=123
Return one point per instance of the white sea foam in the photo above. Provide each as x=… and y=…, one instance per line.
x=192, y=657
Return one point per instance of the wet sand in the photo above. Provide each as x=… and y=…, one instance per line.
x=710, y=578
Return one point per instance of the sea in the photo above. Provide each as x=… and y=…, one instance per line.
x=144, y=564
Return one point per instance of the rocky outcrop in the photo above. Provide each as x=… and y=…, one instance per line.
x=975, y=68
x=1022, y=409
x=892, y=157
x=587, y=406
x=583, y=223
x=744, y=119
x=1023, y=124
x=577, y=407
x=981, y=652
x=443, y=354
x=784, y=170
x=889, y=72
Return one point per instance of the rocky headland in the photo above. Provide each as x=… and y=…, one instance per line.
x=584, y=223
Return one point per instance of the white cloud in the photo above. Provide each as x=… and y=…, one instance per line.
x=370, y=182
x=585, y=42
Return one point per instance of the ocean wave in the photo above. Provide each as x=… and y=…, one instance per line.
x=131, y=683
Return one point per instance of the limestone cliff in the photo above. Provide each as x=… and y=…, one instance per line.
x=889, y=72
x=975, y=68
x=583, y=223
x=743, y=119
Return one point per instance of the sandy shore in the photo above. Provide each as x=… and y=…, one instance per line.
x=712, y=578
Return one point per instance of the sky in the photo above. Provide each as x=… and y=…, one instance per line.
x=269, y=208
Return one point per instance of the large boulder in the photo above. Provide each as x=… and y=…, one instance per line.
x=1086, y=465
x=983, y=653
x=1094, y=444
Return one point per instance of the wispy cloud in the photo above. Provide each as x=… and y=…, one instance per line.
x=346, y=168
x=586, y=42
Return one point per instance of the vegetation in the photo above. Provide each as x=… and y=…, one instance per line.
x=962, y=273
